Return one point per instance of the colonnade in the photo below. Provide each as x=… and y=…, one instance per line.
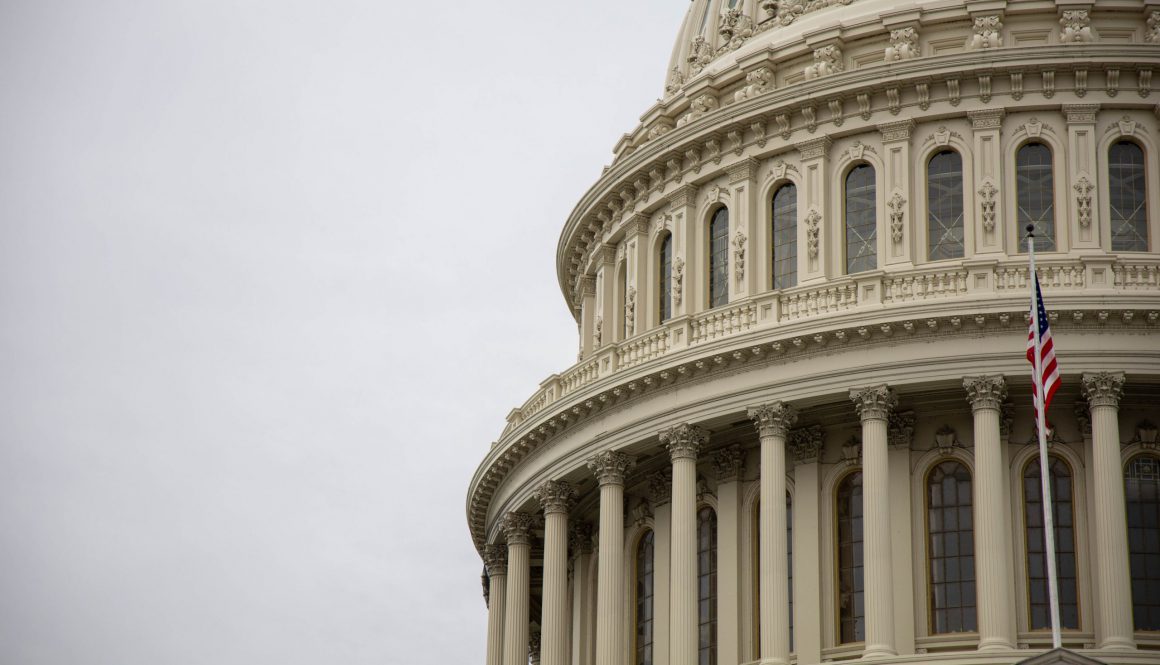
x=508, y=567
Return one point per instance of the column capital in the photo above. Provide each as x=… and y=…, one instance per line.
x=495, y=558
x=773, y=419
x=683, y=441
x=729, y=463
x=517, y=528
x=1103, y=388
x=610, y=467
x=875, y=402
x=556, y=496
x=985, y=392
x=580, y=538
x=805, y=443
x=660, y=487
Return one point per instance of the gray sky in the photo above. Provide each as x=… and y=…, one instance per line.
x=271, y=276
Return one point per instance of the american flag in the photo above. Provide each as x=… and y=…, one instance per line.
x=1047, y=364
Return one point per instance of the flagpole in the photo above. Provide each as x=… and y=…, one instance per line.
x=1044, y=476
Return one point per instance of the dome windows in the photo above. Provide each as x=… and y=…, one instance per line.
x=1128, y=197
x=1034, y=192
x=944, y=196
x=719, y=258
x=861, y=220
x=785, y=237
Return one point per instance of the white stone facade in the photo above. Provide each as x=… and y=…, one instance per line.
x=919, y=139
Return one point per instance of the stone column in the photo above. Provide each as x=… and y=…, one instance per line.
x=496, y=558
x=580, y=541
x=1113, y=577
x=728, y=464
x=993, y=565
x=874, y=406
x=556, y=497
x=517, y=528
x=610, y=468
x=773, y=421
x=684, y=442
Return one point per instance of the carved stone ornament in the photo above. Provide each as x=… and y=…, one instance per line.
x=874, y=403
x=852, y=449
x=641, y=513
x=702, y=489
x=903, y=44
x=739, y=255
x=1126, y=125
x=517, y=528
x=987, y=33
x=556, y=496
x=495, y=558
x=735, y=28
x=805, y=443
x=580, y=538
x=1075, y=27
x=728, y=463
x=713, y=194
x=700, y=55
x=1006, y=420
x=630, y=311
x=773, y=419
x=683, y=441
x=987, y=200
x=813, y=231
x=900, y=429
x=1083, y=201
x=662, y=127
x=1052, y=437
x=827, y=60
x=677, y=278
x=598, y=330
x=1103, y=388
x=660, y=487
x=1146, y=433
x=1083, y=418
x=610, y=467
x=985, y=392
x=676, y=80
x=945, y=439
x=897, y=206
x=1152, y=34
x=757, y=82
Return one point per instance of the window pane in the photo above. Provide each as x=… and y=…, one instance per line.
x=785, y=237
x=665, y=278
x=851, y=613
x=1142, y=495
x=1064, y=545
x=944, y=198
x=1034, y=195
x=861, y=222
x=1126, y=191
x=952, y=559
x=719, y=258
x=707, y=584
x=644, y=599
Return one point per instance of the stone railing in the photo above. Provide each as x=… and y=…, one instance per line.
x=806, y=303
x=924, y=286
x=723, y=322
x=642, y=349
x=578, y=377
x=1137, y=275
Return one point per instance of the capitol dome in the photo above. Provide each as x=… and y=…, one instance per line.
x=800, y=427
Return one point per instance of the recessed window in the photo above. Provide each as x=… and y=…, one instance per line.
x=1063, y=515
x=861, y=221
x=851, y=596
x=719, y=258
x=706, y=586
x=665, y=279
x=785, y=237
x=944, y=202
x=644, y=600
x=1142, y=496
x=1128, y=196
x=950, y=549
x=1034, y=196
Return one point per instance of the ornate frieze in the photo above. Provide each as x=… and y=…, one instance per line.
x=827, y=61
x=987, y=33
x=660, y=487
x=495, y=558
x=985, y=392
x=683, y=441
x=1080, y=114
x=900, y=429
x=874, y=403
x=896, y=131
x=1103, y=388
x=805, y=443
x=728, y=463
x=903, y=45
x=517, y=528
x=773, y=419
x=610, y=467
x=556, y=496
x=986, y=119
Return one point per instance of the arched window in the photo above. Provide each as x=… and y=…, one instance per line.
x=707, y=586
x=861, y=220
x=850, y=598
x=944, y=202
x=719, y=258
x=665, y=279
x=785, y=237
x=1142, y=496
x=1064, y=517
x=757, y=569
x=1034, y=195
x=644, y=600
x=950, y=549
x=1127, y=194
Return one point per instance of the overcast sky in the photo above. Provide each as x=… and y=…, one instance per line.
x=271, y=276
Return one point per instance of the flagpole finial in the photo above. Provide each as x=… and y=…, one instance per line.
x=1031, y=230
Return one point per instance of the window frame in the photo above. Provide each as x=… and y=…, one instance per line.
x=714, y=214
x=928, y=211
x=836, y=555
x=1107, y=182
x=844, y=198
x=926, y=553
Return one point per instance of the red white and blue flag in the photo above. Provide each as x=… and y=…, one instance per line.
x=1049, y=370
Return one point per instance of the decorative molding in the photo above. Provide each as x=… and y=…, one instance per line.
x=903, y=45
x=1080, y=114
x=987, y=194
x=1146, y=433
x=896, y=131
x=1152, y=29
x=728, y=464
x=700, y=55
x=874, y=403
x=660, y=487
x=897, y=206
x=805, y=443
x=555, y=496
x=813, y=231
x=773, y=419
x=580, y=538
x=986, y=119
x=734, y=27
x=677, y=277
x=814, y=148
x=1083, y=417
x=757, y=82
x=1075, y=27
x=852, y=450
x=683, y=441
x=495, y=558
x=985, y=392
x=517, y=528
x=641, y=513
x=1103, y=388
x=701, y=106
x=900, y=428
x=827, y=61
x=1126, y=125
x=1083, y=199
x=739, y=255
x=987, y=33
x=610, y=467
x=946, y=440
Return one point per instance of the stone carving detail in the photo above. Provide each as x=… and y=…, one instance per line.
x=985, y=392
x=1144, y=81
x=676, y=80
x=773, y=419
x=580, y=538
x=954, y=94
x=641, y=513
x=987, y=200
x=660, y=487
x=677, y=277
x=1126, y=125
x=900, y=430
x=1152, y=34
x=683, y=441
x=757, y=82
x=700, y=55
x=1075, y=27
x=923, y=90
x=728, y=463
x=517, y=528
x=1006, y=420
x=630, y=312
x=852, y=449
x=701, y=106
x=809, y=112
x=1049, y=84
x=495, y=558
x=597, y=331
x=903, y=44
x=1146, y=434
x=897, y=206
x=805, y=443
x=946, y=439
x=662, y=127
x=739, y=255
x=1103, y=388
x=1083, y=418
x=987, y=35
x=1083, y=201
x=734, y=28
x=827, y=60
x=874, y=403
x=813, y=231
x=556, y=496
x=1113, y=80
x=610, y=467
x=713, y=194
x=758, y=129
x=1052, y=436
x=1016, y=85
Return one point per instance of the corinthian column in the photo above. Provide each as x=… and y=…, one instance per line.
x=517, y=528
x=556, y=497
x=773, y=421
x=1113, y=578
x=495, y=556
x=874, y=406
x=684, y=442
x=993, y=567
x=610, y=468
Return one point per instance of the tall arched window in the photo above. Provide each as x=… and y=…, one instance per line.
x=944, y=202
x=719, y=258
x=785, y=237
x=1128, y=194
x=861, y=220
x=1063, y=515
x=851, y=588
x=950, y=549
x=1142, y=496
x=664, y=279
x=757, y=569
x=1034, y=195
x=626, y=322
x=644, y=600
x=707, y=586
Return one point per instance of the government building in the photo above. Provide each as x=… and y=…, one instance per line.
x=799, y=428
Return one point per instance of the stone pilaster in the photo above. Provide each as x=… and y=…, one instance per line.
x=583, y=610
x=993, y=566
x=683, y=442
x=556, y=497
x=517, y=528
x=874, y=406
x=773, y=422
x=610, y=468
x=1113, y=577
x=495, y=556
x=728, y=464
